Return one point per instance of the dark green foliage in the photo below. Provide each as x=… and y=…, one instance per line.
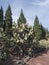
x=22, y=18
x=35, y=48
x=43, y=31
x=4, y=26
x=8, y=19
x=25, y=39
x=2, y=47
x=47, y=33
x=1, y=17
x=37, y=29
x=8, y=22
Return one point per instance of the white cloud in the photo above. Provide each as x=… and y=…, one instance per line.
x=42, y=11
x=41, y=3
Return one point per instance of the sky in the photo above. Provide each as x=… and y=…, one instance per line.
x=31, y=9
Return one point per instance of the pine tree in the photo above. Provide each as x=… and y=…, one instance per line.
x=1, y=17
x=43, y=31
x=22, y=18
x=8, y=22
x=8, y=19
x=37, y=29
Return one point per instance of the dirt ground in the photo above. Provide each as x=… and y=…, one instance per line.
x=40, y=60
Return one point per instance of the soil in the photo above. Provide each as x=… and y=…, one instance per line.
x=40, y=60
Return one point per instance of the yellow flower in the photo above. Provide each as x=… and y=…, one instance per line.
x=21, y=30
x=23, y=34
x=13, y=27
x=21, y=40
x=25, y=38
x=16, y=26
x=12, y=38
x=29, y=34
x=23, y=26
x=14, y=34
x=17, y=40
x=18, y=35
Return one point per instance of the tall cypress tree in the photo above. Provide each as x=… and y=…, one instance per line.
x=8, y=19
x=43, y=31
x=37, y=29
x=22, y=18
x=1, y=17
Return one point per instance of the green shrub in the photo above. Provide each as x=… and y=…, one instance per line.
x=23, y=36
x=44, y=43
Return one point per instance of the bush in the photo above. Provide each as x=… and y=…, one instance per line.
x=23, y=37
x=2, y=54
x=36, y=47
x=44, y=43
